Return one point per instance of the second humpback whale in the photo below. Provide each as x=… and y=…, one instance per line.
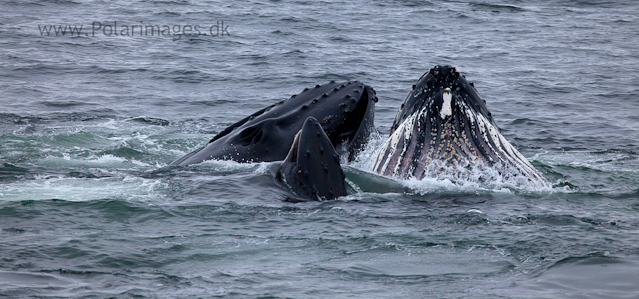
x=444, y=128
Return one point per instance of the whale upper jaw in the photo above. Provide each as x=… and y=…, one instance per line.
x=345, y=111
x=444, y=127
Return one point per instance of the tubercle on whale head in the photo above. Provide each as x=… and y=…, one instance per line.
x=437, y=89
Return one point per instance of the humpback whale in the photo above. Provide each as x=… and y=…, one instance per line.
x=344, y=110
x=312, y=168
x=444, y=128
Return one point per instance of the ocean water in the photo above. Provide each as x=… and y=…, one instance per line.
x=89, y=120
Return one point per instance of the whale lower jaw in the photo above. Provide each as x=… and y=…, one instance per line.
x=463, y=146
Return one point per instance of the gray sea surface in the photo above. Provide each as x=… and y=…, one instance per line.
x=89, y=119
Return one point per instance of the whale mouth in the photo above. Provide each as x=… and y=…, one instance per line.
x=356, y=126
x=444, y=127
x=353, y=122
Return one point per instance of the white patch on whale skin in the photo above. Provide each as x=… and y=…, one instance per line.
x=408, y=128
x=446, y=109
x=403, y=131
x=511, y=159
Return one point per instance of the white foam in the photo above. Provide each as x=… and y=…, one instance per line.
x=104, y=161
x=232, y=166
x=84, y=189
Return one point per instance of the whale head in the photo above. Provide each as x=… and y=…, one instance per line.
x=344, y=110
x=443, y=125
